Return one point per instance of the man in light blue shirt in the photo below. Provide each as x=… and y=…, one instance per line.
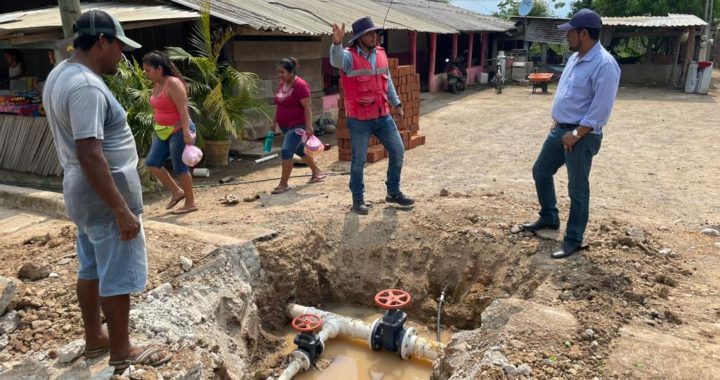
x=583, y=103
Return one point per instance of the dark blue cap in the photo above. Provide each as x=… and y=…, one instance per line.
x=584, y=18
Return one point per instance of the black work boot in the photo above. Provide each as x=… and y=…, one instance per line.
x=360, y=208
x=400, y=199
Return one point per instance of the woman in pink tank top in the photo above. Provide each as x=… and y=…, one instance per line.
x=173, y=128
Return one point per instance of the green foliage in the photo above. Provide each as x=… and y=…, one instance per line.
x=222, y=97
x=509, y=8
x=621, y=8
x=132, y=89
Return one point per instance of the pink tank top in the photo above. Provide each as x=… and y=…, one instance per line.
x=166, y=112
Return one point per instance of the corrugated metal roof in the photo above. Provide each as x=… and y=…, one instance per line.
x=315, y=17
x=48, y=19
x=670, y=21
x=450, y=17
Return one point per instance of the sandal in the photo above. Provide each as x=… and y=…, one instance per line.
x=151, y=356
x=280, y=190
x=174, y=201
x=317, y=178
x=95, y=352
x=182, y=211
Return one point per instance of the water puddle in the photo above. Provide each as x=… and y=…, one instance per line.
x=351, y=359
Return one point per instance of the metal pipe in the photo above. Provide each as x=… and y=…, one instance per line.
x=440, y=304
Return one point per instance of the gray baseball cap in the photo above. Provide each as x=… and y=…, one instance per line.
x=96, y=22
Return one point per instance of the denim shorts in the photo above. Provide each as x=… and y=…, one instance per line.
x=292, y=143
x=120, y=266
x=172, y=147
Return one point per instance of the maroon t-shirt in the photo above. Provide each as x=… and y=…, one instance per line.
x=290, y=113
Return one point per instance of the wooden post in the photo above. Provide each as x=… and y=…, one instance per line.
x=544, y=48
x=413, y=48
x=689, y=54
x=69, y=12
x=431, y=71
x=484, y=50
x=454, y=46
x=470, y=49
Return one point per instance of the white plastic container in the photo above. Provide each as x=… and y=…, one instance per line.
x=692, y=78
x=482, y=78
x=201, y=172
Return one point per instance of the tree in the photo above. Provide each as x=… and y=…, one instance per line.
x=223, y=97
x=509, y=8
x=624, y=8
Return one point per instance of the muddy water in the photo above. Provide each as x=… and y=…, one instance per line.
x=351, y=359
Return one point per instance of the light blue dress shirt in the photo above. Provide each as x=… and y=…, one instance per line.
x=587, y=89
x=342, y=60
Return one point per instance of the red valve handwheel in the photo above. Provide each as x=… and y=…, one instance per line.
x=392, y=299
x=307, y=323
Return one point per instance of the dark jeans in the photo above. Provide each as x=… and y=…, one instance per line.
x=385, y=130
x=578, y=162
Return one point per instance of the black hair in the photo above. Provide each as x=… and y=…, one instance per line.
x=85, y=43
x=593, y=33
x=157, y=59
x=289, y=64
x=15, y=53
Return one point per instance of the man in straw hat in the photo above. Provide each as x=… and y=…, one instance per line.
x=368, y=88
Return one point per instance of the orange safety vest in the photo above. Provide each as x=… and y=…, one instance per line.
x=366, y=89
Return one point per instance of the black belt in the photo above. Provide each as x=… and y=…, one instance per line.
x=566, y=125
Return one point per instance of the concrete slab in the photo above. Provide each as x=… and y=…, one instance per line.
x=194, y=234
x=45, y=202
x=15, y=220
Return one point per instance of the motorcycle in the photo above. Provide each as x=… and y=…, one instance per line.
x=498, y=79
x=456, y=75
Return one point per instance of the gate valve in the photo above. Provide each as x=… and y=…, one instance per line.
x=389, y=331
x=307, y=340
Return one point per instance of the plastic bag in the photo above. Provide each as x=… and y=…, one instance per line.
x=313, y=146
x=191, y=155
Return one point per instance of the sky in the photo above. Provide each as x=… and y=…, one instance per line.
x=489, y=6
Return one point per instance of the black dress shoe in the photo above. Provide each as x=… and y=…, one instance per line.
x=360, y=208
x=567, y=250
x=400, y=199
x=539, y=225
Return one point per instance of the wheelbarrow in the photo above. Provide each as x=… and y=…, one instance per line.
x=540, y=80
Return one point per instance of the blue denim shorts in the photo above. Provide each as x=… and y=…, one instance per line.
x=292, y=144
x=120, y=266
x=172, y=147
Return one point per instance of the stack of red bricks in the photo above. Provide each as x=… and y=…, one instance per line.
x=407, y=84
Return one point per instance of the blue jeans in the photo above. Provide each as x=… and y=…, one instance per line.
x=173, y=147
x=385, y=130
x=120, y=266
x=292, y=143
x=578, y=162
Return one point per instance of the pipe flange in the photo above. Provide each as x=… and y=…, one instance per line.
x=302, y=357
x=407, y=343
x=373, y=326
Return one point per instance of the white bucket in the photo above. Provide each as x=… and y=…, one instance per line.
x=482, y=78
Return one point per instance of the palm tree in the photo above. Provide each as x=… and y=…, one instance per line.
x=132, y=89
x=222, y=97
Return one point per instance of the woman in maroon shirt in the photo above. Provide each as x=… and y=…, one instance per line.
x=293, y=116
